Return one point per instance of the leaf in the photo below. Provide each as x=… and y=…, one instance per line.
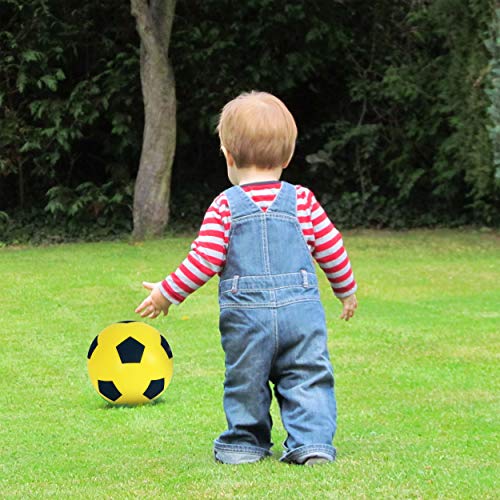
x=49, y=81
x=32, y=56
x=30, y=146
x=21, y=82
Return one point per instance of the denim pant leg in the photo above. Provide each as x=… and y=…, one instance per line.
x=304, y=383
x=248, y=343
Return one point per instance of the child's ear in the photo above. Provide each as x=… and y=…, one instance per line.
x=288, y=162
x=229, y=157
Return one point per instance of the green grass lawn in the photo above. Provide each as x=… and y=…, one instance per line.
x=416, y=374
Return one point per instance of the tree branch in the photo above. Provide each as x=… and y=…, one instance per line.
x=144, y=24
x=162, y=14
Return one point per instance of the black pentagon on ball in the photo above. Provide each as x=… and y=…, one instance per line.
x=154, y=388
x=166, y=346
x=130, y=350
x=92, y=348
x=108, y=389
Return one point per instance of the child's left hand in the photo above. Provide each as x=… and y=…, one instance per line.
x=349, y=305
x=153, y=305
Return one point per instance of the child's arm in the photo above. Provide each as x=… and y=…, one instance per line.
x=206, y=258
x=330, y=254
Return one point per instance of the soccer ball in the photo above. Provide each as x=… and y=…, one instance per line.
x=130, y=363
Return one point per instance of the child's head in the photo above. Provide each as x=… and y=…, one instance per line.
x=258, y=130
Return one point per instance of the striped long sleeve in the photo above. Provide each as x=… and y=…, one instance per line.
x=329, y=252
x=208, y=251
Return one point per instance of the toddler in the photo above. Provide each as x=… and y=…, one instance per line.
x=260, y=236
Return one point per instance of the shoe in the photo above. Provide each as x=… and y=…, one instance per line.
x=316, y=461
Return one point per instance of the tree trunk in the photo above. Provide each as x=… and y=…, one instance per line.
x=152, y=186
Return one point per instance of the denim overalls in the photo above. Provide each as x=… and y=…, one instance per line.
x=273, y=329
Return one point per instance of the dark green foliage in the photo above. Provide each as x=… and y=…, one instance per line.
x=70, y=111
x=107, y=206
x=412, y=148
x=396, y=104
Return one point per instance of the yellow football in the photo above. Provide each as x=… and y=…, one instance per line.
x=130, y=363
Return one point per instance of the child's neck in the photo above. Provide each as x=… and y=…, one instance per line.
x=250, y=175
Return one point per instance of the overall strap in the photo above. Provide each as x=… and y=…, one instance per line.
x=240, y=204
x=286, y=200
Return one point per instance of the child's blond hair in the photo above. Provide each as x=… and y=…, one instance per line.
x=257, y=129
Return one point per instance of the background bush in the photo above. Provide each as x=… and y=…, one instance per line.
x=396, y=104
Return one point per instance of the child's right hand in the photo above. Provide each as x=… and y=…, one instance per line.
x=153, y=305
x=349, y=306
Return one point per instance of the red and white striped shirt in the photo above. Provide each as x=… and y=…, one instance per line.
x=208, y=251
